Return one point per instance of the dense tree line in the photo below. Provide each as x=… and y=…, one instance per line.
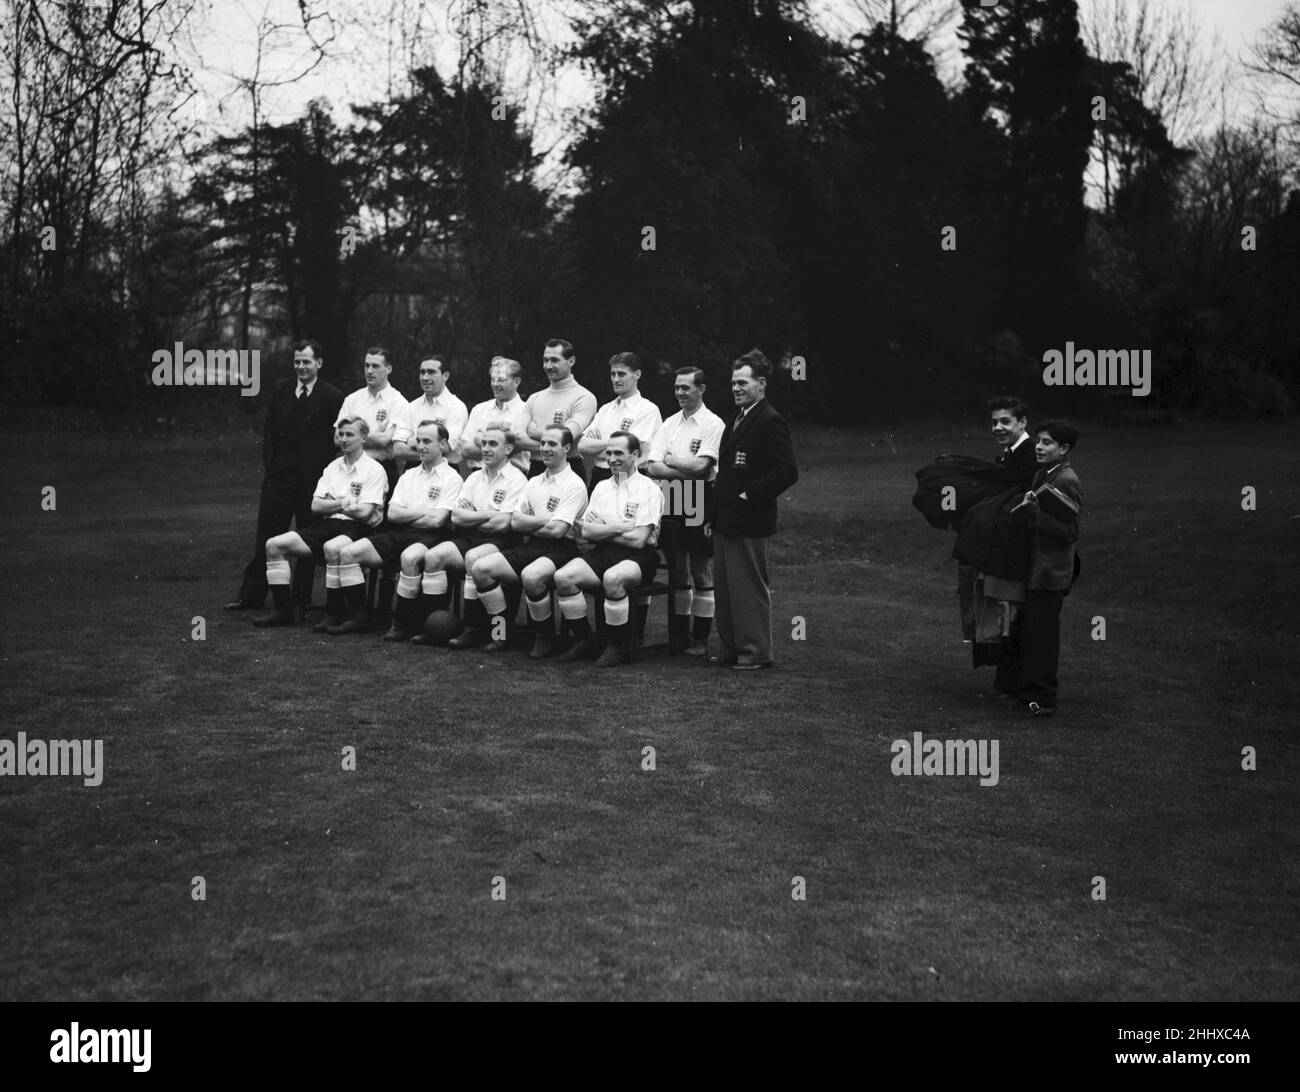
x=742, y=178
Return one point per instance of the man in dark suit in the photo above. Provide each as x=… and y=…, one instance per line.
x=755, y=465
x=1009, y=417
x=297, y=443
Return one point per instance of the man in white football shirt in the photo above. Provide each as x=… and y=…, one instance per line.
x=481, y=524
x=504, y=405
x=683, y=458
x=383, y=409
x=419, y=517
x=621, y=519
x=438, y=404
x=551, y=504
x=628, y=412
x=349, y=501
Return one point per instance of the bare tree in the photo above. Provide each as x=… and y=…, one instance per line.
x=1179, y=68
x=84, y=91
x=1276, y=57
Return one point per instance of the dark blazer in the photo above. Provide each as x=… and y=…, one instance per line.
x=756, y=459
x=307, y=447
x=1051, y=546
x=1019, y=466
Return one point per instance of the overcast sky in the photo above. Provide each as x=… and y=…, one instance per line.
x=369, y=52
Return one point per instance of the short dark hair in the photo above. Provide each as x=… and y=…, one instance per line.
x=1009, y=402
x=1061, y=431
x=630, y=361
x=633, y=444
x=757, y=363
x=375, y=350
x=438, y=359
x=566, y=437
x=565, y=348
x=309, y=343
x=443, y=434
x=697, y=376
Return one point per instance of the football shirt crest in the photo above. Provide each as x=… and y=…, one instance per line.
x=695, y=446
x=499, y=496
x=552, y=503
x=630, y=510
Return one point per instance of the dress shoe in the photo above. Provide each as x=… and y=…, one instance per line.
x=722, y=661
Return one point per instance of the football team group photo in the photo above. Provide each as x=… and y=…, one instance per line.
x=704, y=500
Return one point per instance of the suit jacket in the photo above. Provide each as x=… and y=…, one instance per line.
x=756, y=459
x=305, y=447
x=1051, y=540
x=1019, y=466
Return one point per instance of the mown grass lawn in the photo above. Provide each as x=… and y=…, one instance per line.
x=224, y=760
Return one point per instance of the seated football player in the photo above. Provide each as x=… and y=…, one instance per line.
x=419, y=516
x=550, y=505
x=621, y=520
x=349, y=504
x=481, y=524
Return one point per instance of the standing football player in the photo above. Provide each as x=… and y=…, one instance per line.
x=684, y=457
x=383, y=409
x=504, y=405
x=628, y=412
x=565, y=402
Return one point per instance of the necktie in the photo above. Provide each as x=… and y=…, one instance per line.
x=302, y=390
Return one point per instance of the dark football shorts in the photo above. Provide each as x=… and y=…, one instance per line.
x=502, y=541
x=675, y=534
x=318, y=534
x=390, y=545
x=559, y=551
x=610, y=554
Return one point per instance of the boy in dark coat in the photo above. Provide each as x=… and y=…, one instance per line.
x=1051, y=565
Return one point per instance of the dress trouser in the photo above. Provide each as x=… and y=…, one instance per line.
x=743, y=600
x=285, y=500
x=1040, y=646
x=966, y=600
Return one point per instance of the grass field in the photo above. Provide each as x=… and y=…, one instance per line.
x=223, y=760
